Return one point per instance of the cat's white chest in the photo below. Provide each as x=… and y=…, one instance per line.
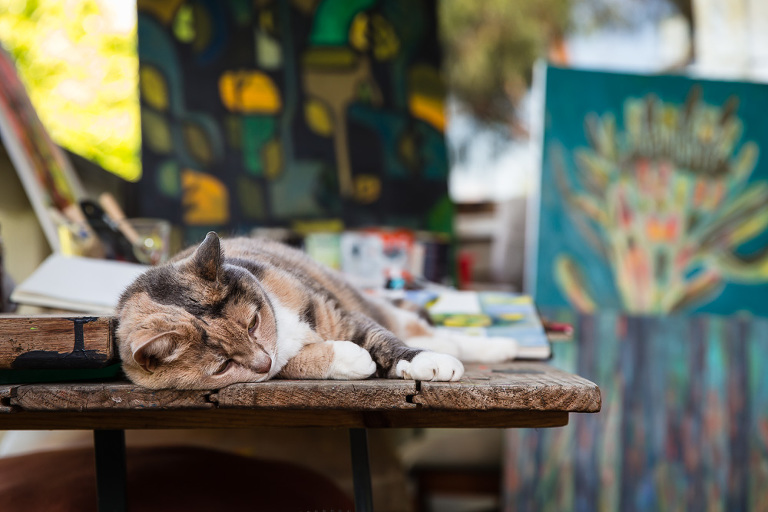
x=292, y=335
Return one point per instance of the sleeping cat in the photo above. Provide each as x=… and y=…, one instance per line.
x=246, y=310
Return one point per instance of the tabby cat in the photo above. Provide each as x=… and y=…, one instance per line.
x=246, y=310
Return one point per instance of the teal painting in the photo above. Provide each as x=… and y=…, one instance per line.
x=653, y=195
x=683, y=424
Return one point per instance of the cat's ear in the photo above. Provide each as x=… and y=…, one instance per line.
x=206, y=260
x=150, y=353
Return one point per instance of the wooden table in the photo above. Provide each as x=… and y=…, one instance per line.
x=511, y=395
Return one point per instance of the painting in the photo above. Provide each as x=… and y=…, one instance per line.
x=269, y=112
x=683, y=425
x=43, y=169
x=653, y=195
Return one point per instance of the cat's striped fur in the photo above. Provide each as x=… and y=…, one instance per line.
x=245, y=310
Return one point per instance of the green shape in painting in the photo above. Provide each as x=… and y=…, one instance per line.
x=257, y=130
x=241, y=11
x=168, y=181
x=250, y=196
x=440, y=216
x=156, y=132
x=332, y=20
x=434, y=156
x=295, y=193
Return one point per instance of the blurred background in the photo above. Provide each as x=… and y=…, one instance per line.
x=600, y=155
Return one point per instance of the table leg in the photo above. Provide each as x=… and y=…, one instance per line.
x=109, y=446
x=361, y=471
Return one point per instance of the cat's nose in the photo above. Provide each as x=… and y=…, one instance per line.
x=261, y=362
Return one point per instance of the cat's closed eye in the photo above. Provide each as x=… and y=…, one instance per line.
x=253, y=325
x=225, y=366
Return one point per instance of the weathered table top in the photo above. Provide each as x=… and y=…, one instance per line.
x=519, y=394
x=516, y=394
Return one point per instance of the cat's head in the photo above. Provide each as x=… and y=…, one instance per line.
x=197, y=323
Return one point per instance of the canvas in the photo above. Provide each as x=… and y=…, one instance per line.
x=264, y=113
x=653, y=195
x=43, y=168
x=683, y=426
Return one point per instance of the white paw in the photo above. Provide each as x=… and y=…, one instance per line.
x=350, y=362
x=430, y=366
x=474, y=349
x=489, y=350
x=435, y=344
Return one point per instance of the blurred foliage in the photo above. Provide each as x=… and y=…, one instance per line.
x=490, y=47
x=80, y=68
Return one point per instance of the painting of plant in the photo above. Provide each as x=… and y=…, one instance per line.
x=664, y=209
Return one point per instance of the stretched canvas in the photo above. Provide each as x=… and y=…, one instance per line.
x=43, y=168
x=268, y=112
x=683, y=426
x=653, y=195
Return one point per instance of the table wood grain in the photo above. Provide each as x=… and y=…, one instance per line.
x=516, y=394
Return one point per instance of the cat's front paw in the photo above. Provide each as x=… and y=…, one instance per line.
x=430, y=366
x=350, y=362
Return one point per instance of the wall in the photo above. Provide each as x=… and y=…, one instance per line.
x=23, y=239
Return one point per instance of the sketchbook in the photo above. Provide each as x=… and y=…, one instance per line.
x=80, y=284
x=489, y=314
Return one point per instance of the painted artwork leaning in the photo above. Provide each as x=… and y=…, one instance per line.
x=683, y=427
x=264, y=113
x=654, y=195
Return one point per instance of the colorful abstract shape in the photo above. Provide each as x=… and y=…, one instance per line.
x=205, y=199
x=249, y=92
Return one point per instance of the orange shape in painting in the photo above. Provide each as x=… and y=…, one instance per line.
x=205, y=199
x=251, y=92
x=428, y=109
x=426, y=98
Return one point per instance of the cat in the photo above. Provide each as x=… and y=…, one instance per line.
x=247, y=310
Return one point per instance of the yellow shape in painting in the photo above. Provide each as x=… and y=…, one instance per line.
x=157, y=134
x=197, y=143
x=358, y=32
x=164, y=10
x=367, y=188
x=326, y=58
x=205, y=199
x=272, y=153
x=305, y=227
x=250, y=92
x=184, y=24
x=386, y=44
x=428, y=109
x=319, y=118
x=267, y=21
x=154, y=91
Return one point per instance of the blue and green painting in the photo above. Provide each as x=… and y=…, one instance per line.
x=654, y=195
x=683, y=425
x=264, y=113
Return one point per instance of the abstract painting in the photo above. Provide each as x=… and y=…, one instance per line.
x=268, y=112
x=683, y=425
x=653, y=195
